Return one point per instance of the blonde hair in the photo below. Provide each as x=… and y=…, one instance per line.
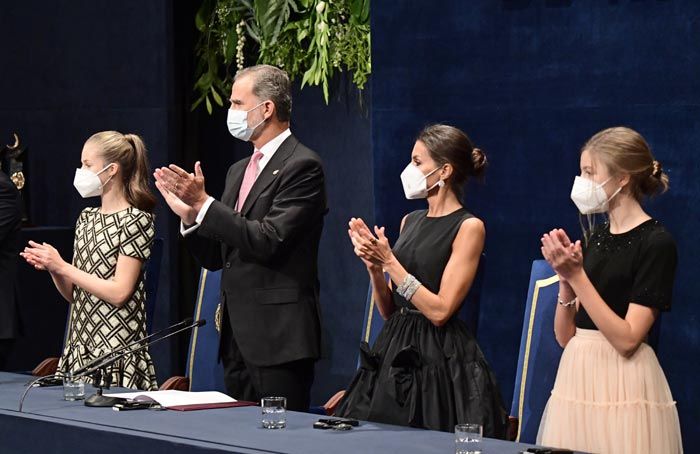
x=129, y=151
x=624, y=150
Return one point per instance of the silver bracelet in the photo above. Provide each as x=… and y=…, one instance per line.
x=408, y=287
x=566, y=304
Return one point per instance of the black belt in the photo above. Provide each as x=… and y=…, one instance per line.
x=405, y=311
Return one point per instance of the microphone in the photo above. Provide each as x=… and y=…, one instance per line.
x=102, y=357
x=97, y=399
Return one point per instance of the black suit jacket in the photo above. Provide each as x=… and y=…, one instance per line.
x=10, y=222
x=269, y=255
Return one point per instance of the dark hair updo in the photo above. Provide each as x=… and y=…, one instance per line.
x=449, y=145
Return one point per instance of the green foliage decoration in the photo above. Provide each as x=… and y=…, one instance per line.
x=311, y=39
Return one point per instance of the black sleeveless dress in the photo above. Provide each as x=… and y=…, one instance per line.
x=418, y=374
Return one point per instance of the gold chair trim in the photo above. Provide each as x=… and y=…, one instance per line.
x=541, y=283
x=200, y=296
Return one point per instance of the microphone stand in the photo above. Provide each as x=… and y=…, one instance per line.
x=102, y=377
x=128, y=346
x=47, y=380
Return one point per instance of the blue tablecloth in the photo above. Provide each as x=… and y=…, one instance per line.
x=50, y=424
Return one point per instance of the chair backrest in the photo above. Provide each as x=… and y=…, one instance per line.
x=539, y=355
x=152, y=277
x=469, y=311
x=204, y=370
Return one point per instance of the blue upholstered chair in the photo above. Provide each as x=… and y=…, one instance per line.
x=204, y=371
x=539, y=356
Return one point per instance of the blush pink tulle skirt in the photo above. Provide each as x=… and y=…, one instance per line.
x=605, y=403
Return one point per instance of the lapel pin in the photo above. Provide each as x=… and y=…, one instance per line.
x=275, y=172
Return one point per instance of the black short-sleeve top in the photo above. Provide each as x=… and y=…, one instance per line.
x=637, y=266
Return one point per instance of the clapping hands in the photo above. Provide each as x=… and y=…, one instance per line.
x=565, y=257
x=42, y=256
x=374, y=251
x=183, y=192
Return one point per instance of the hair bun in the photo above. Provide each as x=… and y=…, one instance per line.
x=656, y=182
x=479, y=161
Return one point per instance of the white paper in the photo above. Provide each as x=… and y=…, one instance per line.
x=173, y=398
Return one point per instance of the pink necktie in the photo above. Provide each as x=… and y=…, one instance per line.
x=251, y=173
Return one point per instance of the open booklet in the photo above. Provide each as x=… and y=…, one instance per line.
x=184, y=400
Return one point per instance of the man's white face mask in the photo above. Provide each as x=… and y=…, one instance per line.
x=237, y=122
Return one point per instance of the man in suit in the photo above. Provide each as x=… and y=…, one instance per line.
x=10, y=222
x=264, y=234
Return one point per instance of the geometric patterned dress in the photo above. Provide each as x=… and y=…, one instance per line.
x=95, y=326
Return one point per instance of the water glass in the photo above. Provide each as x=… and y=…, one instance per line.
x=73, y=389
x=468, y=438
x=274, y=412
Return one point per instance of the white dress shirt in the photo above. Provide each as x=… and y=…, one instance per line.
x=268, y=150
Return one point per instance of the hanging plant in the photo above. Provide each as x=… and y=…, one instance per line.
x=311, y=39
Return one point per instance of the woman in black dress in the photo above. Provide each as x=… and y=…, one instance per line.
x=426, y=369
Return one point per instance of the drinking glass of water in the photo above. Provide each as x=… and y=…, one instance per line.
x=274, y=412
x=468, y=438
x=73, y=389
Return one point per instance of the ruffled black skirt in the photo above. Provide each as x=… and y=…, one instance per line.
x=421, y=375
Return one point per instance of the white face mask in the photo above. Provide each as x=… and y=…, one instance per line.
x=88, y=183
x=237, y=122
x=415, y=184
x=589, y=196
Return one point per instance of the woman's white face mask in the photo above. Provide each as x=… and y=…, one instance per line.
x=590, y=197
x=415, y=184
x=88, y=183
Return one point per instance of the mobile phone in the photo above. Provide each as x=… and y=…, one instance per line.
x=342, y=426
x=335, y=424
x=337, y=421
x=124, y=406
x=49, y=382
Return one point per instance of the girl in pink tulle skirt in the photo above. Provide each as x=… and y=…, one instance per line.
x=610, y=394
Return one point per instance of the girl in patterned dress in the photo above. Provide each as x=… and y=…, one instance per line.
x=105, y=282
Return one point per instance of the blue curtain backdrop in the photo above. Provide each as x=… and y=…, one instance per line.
x=530, y=81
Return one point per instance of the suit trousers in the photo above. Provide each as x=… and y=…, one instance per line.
x=246, y=381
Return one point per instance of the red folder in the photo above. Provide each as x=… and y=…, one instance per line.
x=239, y=403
